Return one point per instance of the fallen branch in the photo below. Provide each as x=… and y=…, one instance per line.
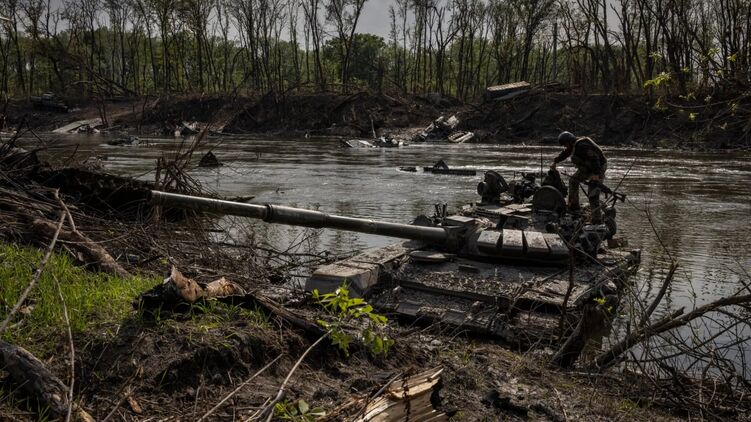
x=91, y=252
x=30, y=375
x=674, y=320
x=660, y=294
x=178, y=289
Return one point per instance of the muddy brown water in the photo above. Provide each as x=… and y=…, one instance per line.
x=700, y=203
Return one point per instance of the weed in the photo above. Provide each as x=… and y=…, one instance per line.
x=299, y=411
x=343, y=310
x=95, y=300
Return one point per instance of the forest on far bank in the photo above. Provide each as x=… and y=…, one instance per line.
x=102, y=48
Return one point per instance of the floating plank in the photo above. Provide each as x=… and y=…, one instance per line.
x=536, y=245
x=558, y=248
x=513, y=243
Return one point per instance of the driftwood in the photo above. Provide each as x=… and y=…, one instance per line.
x=30, y=376
x=91, y=252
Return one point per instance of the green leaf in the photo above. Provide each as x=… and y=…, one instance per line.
x=303, y=406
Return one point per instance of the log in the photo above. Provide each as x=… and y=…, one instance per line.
x=92, y=252
x=29, y=375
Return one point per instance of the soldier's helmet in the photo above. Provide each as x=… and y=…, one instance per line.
x=566, y=137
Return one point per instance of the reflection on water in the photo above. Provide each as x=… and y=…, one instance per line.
x=700, y=203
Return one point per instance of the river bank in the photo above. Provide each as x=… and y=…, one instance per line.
x=701, y=122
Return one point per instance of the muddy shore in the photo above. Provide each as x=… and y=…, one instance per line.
x=538, y=116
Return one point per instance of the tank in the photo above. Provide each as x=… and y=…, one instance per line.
x=511, y=265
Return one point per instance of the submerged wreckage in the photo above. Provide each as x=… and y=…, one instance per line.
x=512, y=265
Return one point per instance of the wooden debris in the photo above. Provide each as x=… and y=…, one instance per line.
x=31, y=376
x=507, y=91
x=90, y=251
x=134, y=406
x=407, y=398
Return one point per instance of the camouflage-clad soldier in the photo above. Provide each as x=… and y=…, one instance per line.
x=591, y=165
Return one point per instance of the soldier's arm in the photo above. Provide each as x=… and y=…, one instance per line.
x=563, y=155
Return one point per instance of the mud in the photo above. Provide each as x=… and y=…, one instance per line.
x=618, y=119
x=176, y=368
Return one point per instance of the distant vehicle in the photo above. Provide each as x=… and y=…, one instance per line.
x=49, y=100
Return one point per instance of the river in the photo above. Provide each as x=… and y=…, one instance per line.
x=700, y=203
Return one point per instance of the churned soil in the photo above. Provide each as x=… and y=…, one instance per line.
x=180, y=366
x=719, y=122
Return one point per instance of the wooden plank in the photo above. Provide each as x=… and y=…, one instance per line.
x=75, y=125
x=536, y=245
x=512, y=243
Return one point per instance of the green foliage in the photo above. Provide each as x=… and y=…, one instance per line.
x=343, y=310
x=94, y=300
x=691, y=96
x=368, y=58
x=659, y=106
x=299, y=411
x=601, y=301
x=657, y=81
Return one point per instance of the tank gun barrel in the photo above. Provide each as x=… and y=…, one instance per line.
x=280, y=214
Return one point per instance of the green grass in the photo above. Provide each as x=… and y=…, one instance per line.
x=95, y=301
